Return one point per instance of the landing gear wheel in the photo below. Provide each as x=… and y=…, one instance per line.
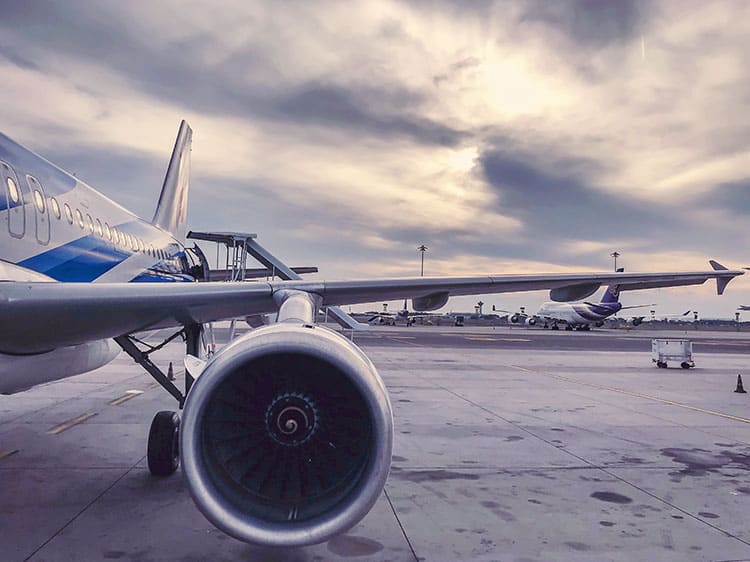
x=685, y=365
x=661, y=364
x=163, y=444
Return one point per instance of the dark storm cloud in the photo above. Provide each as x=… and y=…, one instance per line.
x=733, y=197
x=237, y=85
x=593, y=23
x=559, y=200
x=340, y=107
x=14, y=57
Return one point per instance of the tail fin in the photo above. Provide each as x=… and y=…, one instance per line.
x=612, y=294
x=171, y=211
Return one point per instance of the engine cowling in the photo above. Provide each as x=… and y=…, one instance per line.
x=515, y=318
x=531, y=321
x=287, y=436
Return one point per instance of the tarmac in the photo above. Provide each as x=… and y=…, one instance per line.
x=505, y=449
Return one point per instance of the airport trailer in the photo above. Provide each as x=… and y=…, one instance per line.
x=672, y=350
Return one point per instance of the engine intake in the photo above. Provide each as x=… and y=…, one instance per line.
x=287, y=436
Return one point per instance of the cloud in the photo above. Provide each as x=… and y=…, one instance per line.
x=521, y=135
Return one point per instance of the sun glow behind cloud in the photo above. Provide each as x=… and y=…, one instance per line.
x=513, y=136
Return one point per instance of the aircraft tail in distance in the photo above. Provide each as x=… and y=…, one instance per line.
x=611, y=295
x=171, y=211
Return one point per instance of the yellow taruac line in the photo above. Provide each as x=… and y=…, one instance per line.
x=639, y=395
x=71, y=423
x=125, y=397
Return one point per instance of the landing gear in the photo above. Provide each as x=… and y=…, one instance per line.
x=163, y=451
x=568, y=328
x=164, y=444
x=555, y=326
x=661, y=364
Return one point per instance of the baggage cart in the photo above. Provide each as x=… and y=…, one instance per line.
x=663, y=351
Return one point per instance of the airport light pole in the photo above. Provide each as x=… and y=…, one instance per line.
x=615, y=255
x=422, y=248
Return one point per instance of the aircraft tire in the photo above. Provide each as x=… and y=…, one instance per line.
x=163, y=443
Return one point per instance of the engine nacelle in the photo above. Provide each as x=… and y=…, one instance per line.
x=531, y=321
x=515, y=318
x=287, y=436
x=637, y=320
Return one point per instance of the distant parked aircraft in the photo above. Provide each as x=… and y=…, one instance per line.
x=579, y=315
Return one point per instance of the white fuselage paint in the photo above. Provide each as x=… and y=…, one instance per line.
x=565, y=312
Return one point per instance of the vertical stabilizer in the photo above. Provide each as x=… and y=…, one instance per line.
x=612, y=294
x=171, y=211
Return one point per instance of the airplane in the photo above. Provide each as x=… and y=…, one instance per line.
x=286, y=433
x=581, y=315
x=390, y=318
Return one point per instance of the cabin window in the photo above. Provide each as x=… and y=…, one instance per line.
x=99, y=229
x=79, y=217
x=90, y=223
x=115, y=236
x=39, y=200
x=68, y=213
x=55, y=207
x=13, y=190
x=107, y=231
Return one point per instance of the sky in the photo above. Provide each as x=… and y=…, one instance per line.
x=508, y=137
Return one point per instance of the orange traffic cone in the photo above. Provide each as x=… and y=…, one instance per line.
x=740, y=388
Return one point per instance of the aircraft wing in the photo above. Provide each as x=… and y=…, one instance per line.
x=36, y=317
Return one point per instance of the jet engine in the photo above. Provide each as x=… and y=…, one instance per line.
x=515, y=318
x=637, y=320
x=531, y=321
x=287, y=435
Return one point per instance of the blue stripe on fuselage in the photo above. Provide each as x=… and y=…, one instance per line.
x=89, y=257
x=82, y=260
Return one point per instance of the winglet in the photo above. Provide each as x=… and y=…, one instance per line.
x=721, y=282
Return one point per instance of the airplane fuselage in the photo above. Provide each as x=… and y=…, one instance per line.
x=55, y=228
x=578, y=313
x=53, y=224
